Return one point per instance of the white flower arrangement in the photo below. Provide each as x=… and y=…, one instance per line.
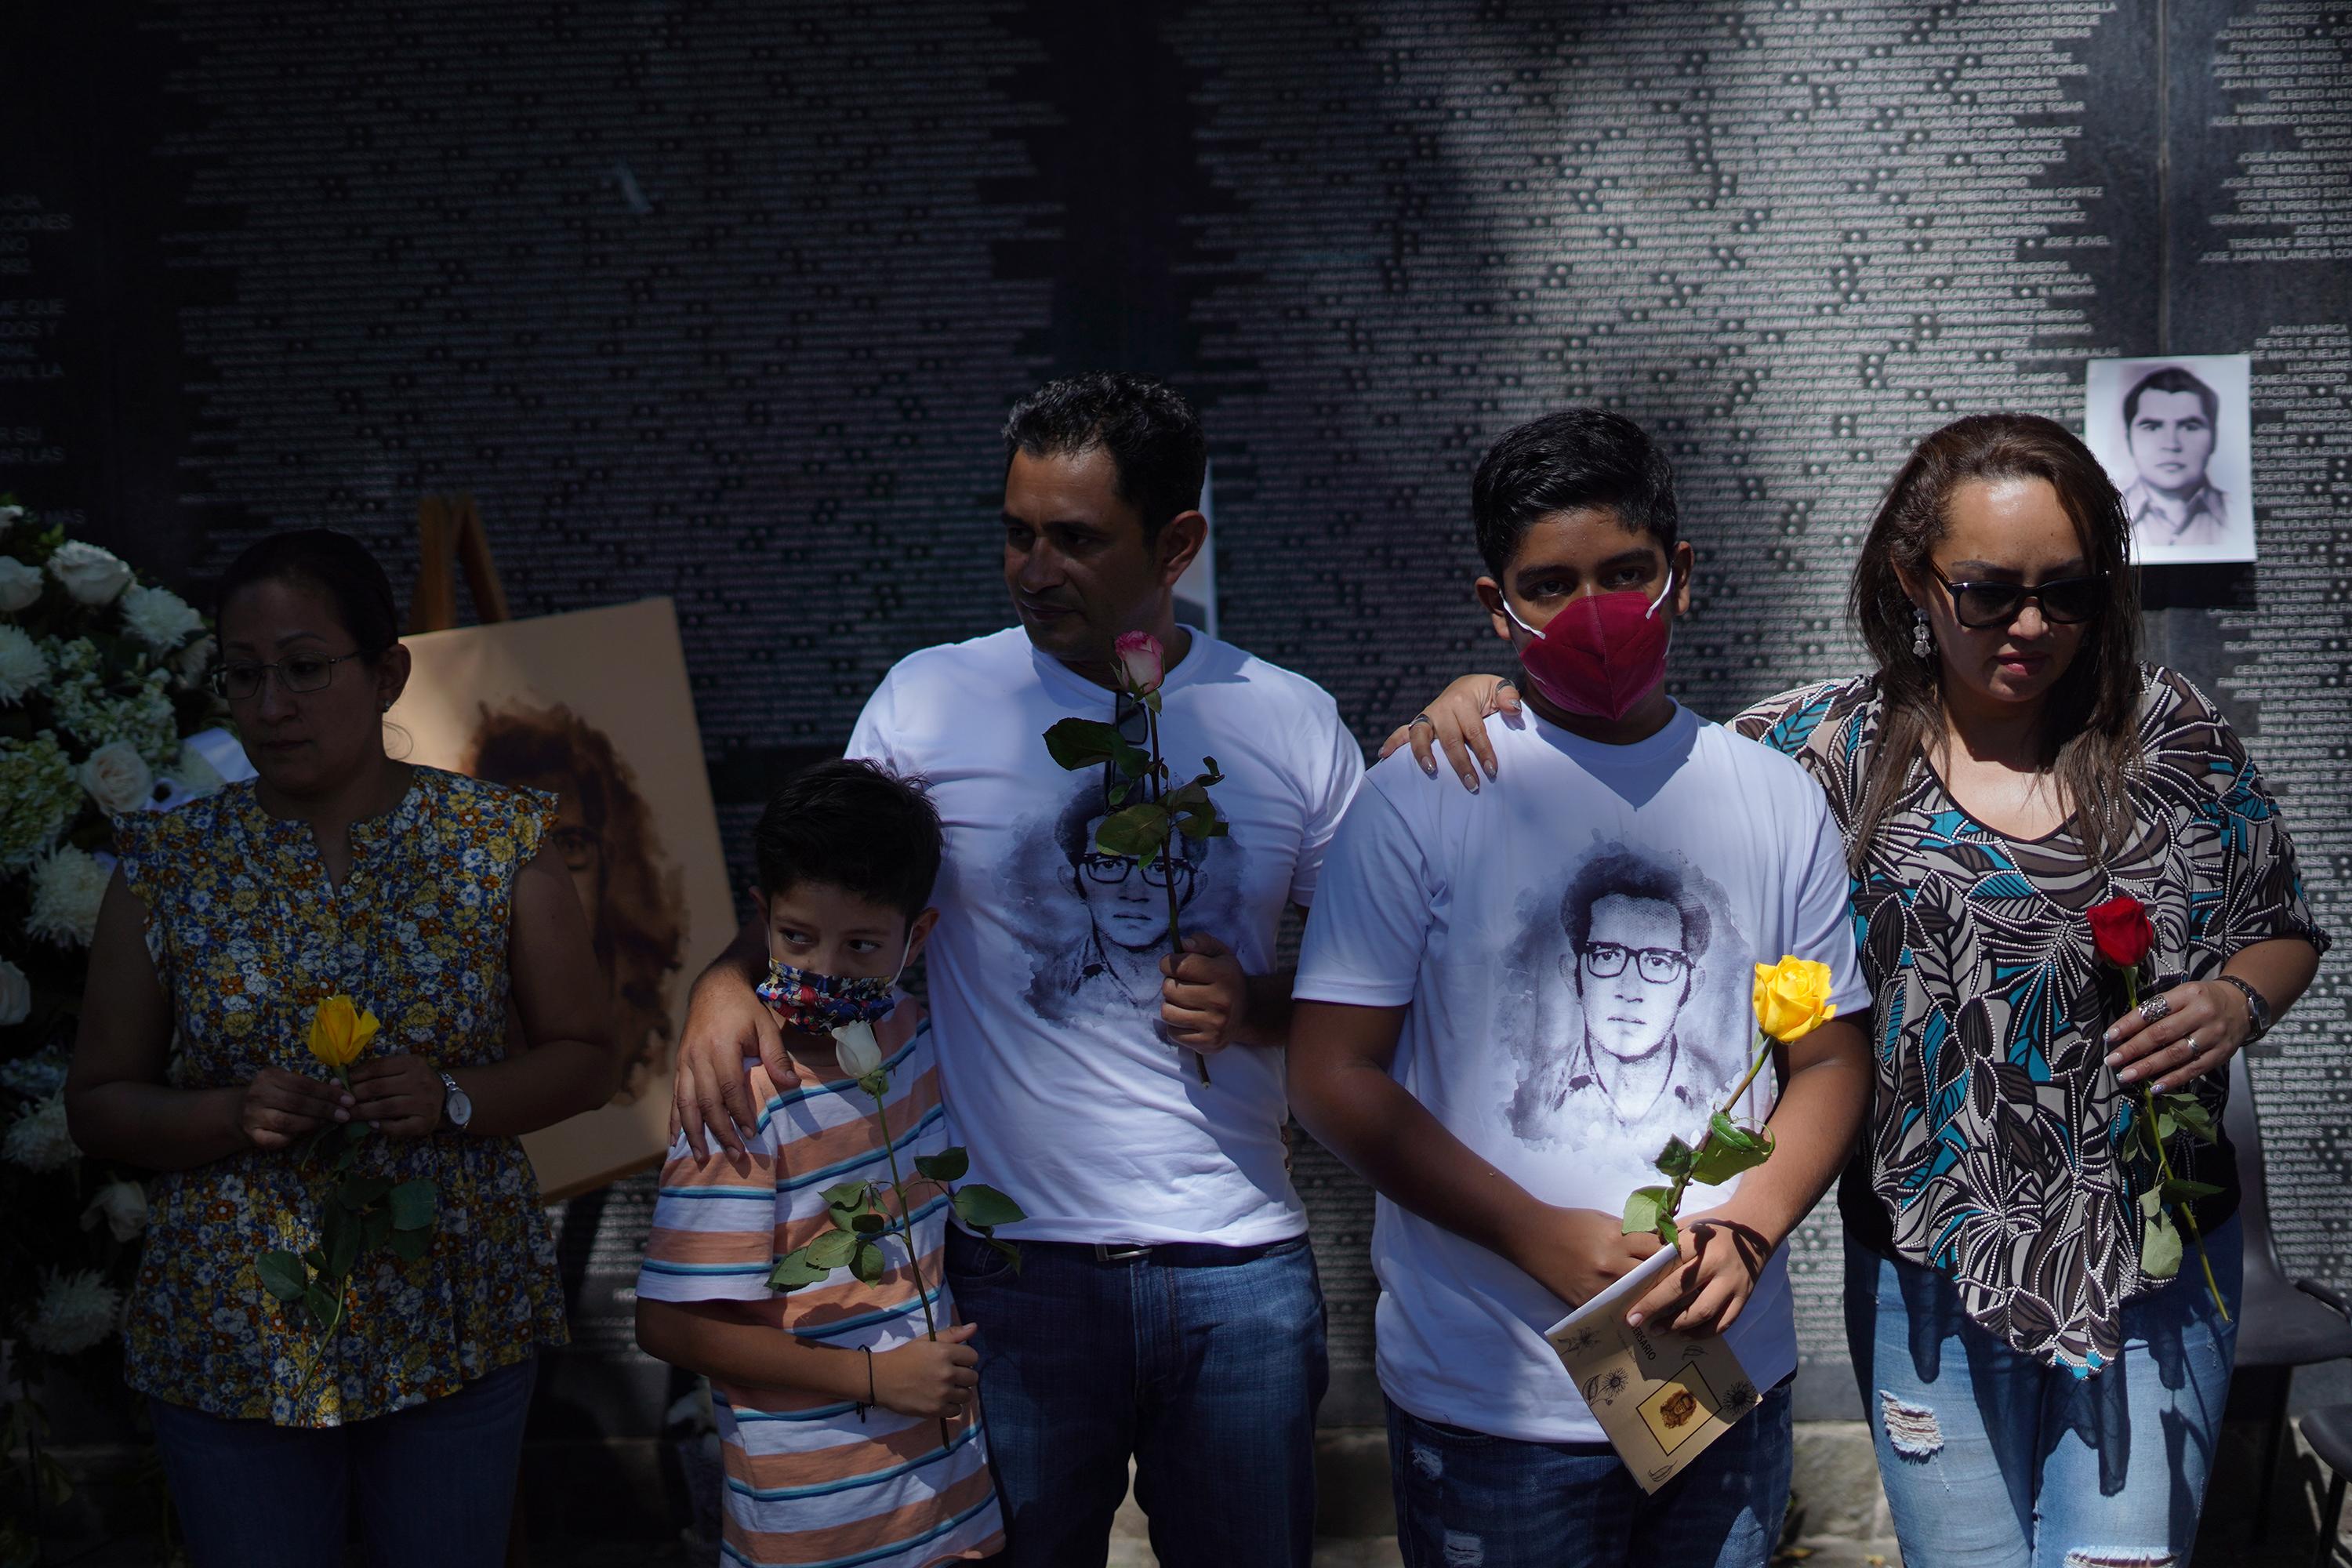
x=15, y=995
x=117, y=777
x=20, y=586
x=24, y=668
x=39, y=796
x=122, y=1207
x=77, y=1312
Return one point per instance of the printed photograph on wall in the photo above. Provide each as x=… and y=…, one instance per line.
x=593, y=708
x=2175, y=435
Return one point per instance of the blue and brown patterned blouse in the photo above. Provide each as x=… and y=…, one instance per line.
x=248, y=935
x=1990, y=1152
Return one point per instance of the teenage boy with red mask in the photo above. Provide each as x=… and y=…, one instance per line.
x=1508, y=1002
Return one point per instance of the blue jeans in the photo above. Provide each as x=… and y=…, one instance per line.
x=1464, y=1496
x=435, y=1481
x=1993, y=1459
x=1207, y=1368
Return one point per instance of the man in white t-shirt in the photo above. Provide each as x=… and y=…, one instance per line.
x=1165, y=1306
x=1510, y=1001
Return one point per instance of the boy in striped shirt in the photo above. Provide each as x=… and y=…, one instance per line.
x=850, y=1433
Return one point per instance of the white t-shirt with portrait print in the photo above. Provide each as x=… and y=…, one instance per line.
x=1575, y=946
x=1043, y=972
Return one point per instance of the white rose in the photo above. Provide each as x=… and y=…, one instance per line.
x=117, y=777
x=39, y=1140
x=159, y=617
x=123, y=1205
x=93, y=576
x=15, y=994
x=20, y=585
x=23, y=665
x=68, y=885
x=856, y=1049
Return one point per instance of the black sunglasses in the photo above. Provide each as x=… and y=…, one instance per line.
x=2066, y=602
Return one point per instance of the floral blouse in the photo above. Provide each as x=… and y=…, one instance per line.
x=1991, y=1150
x=248, y=935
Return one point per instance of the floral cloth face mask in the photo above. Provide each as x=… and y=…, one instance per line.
x=807, y=999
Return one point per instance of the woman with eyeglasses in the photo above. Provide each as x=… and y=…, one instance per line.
x=2009, y=764
x=434, y=903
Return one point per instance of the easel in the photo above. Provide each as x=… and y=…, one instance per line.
x=450, y=527
x=447, y=528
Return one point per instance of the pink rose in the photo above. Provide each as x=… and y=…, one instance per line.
x=1141, y=661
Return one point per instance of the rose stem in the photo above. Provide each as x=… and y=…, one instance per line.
x=2164, y=1163
x=906, y=1240
x=1168, y=873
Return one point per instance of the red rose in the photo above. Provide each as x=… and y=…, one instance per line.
x=2120, y=931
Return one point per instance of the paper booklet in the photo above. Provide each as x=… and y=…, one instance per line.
x=1661, y=1396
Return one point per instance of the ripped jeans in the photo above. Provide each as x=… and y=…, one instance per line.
x=1467, y=1499
x=1993, y=1459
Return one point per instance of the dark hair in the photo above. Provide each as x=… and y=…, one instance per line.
x=1151, y=434
x=2171, y=378
x=2089, y=723
x=856, y=826
x=1626, y=875
x=334, y=563
x=639, y=927
x=1566, y=462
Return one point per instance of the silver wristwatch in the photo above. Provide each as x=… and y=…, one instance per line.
x=455, y=1109
x=2258, y=1008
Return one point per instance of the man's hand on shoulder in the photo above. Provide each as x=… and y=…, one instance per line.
x=711, y=1097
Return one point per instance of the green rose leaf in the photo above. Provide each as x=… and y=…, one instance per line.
x=1135, y=830
x=869, y=1224
x=979, y=1204
x=1645, y=1209
x=793, y=1270
x=377, y=1228
x=1669, y=1235
x=2180, y=1189
x=282, y=1275
x=355, y=1195
x=343, y=1236
x=413, y=1204
x=320, y=1304
x=947, y=1165
x=867, y=1263
x=1720, y=1159
x=1676, y=1158
x=832, y=1249
x=409, y=1246
x=1088, y=742
x=850, y=1196
x=2166, y=1126
x=2191, y=1114
x=2159, y=1245
x=1006, y=1251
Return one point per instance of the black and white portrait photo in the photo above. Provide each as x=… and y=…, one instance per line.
x=2173, y=435
x=1631, y=1019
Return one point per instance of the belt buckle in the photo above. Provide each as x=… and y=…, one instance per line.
x=1125, y=1252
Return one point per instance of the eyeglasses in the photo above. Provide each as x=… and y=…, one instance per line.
x=2066, y=602
x=302, y=672
x=1656, y=964
x=1112, y=869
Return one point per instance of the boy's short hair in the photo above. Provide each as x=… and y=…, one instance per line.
x=1584, y=458
x=855, y=826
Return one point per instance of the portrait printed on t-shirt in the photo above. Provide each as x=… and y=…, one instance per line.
x=2175, y=437
x=1629, y=1015
x=1099, y=922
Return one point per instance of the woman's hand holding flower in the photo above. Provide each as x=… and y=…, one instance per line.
x=399, y=1096
x=2201, y=1025
x=281, y=1109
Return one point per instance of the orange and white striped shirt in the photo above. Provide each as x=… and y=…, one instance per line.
x=809, y=1479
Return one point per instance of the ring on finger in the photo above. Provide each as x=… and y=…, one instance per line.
x=2155, y=1008
x=1421, y=719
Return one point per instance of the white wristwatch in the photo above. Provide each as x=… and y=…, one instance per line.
x=455, y=1109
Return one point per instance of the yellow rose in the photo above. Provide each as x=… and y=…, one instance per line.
x=1792, y=997
x=339, y=1031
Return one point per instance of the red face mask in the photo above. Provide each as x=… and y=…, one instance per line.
x=1600, y=655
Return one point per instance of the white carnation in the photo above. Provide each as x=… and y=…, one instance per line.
x=68, y=884
x=93, y=576
x=123, y=1205
x=23, y=665
x=118, y=778
x=39, y=1140
x=36, y=1077
x=20, y=585
x=76, y=1311
x=159, y=617
x=15, y=994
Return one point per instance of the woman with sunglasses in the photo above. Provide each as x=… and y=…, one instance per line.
x=434, y=903
x=2033, y=1391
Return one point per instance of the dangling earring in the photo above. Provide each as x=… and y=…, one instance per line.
x=1923, y=641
